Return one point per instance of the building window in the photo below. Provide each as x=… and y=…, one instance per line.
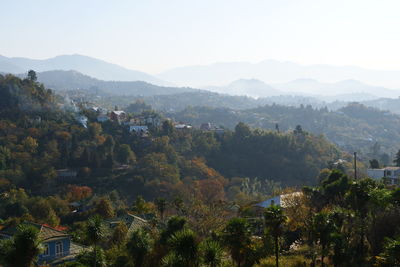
x=46, y=250
x=59, y=249
x=388, y=173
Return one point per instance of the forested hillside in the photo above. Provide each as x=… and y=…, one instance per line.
x=72, y=80
x=35, y=143
x=196, y=188
x=354, y=127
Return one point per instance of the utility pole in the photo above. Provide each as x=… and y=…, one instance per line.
x=355, y=165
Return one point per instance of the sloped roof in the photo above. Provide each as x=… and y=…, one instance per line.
x=46, y=233
x=137, y=128
x=392, y=168
x=118, y=112
x=137, y=223
x=133, y=222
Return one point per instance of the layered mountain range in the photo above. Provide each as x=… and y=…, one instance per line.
x=327, y=83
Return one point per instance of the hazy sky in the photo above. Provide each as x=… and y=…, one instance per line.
x=155, y=35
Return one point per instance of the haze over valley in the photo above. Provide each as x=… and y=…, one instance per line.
x=341, y=85
x=200, y=133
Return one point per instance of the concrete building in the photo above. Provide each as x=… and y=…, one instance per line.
x=391, y=175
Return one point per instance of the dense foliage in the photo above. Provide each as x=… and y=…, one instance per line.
x=354, y=127
x=197, y=188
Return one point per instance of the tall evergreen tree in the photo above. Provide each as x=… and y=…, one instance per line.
x=32, y=75
x=95, y=233
x=397, y=159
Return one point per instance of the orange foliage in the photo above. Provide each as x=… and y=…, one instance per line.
x=210, y=190
x=100, y=139
x=63, y=135
x=206, y=172
x=75, y=192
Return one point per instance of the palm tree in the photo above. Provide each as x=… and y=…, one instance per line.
x=172, y=260
x=184, y=246
x=274, y=222
x=23, y=249
x=95, y=233
x=212, y=253
x=174, y=224
x=161, y=204
x=324, y=229
x=237, y=237
x=139, y=246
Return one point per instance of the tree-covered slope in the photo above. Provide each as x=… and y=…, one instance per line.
x=31, y=149
x=291, y=158
x=354, y=127
x=71, y=80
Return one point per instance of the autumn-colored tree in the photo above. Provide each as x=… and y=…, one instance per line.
x=119, y=234
x=104, y=208
x=76, y=192
x=210, y=190
x=140, y=206
x=30, y=144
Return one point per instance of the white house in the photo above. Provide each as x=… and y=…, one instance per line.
x=182, y=126
x=118, y=115
x=139, y=129
x=391, y=174
x=283, y=201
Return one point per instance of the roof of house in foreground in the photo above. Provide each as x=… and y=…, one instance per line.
x=46, y=232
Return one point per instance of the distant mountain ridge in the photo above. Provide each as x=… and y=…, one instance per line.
x=86, y=65
x=341, y=88
x=348, y=90
x=249, y=87
x=273, y=71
